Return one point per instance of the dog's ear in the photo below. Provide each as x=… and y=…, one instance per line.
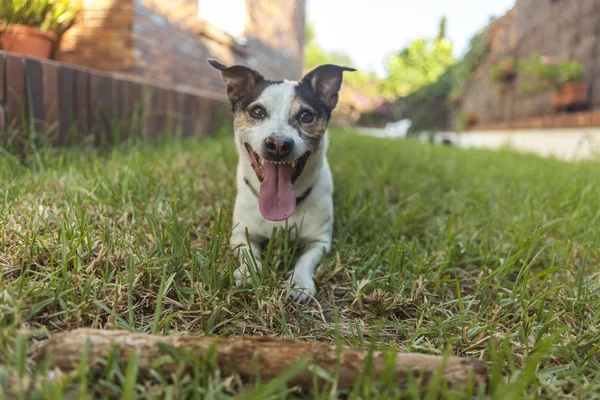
x=239, y=79
x=326, y=81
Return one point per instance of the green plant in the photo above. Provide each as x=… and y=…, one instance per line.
x=464, y=69
x=420, y=64
x=549, y=74
x=488, y=254
x=504, y=70
x=49, y=15
x=428, y=106
x=455, y=97
x=467, y=119
x=360, y=89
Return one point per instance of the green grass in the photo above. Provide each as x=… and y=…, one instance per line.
x=492, y=255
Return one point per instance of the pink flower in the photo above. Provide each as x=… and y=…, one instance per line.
x=547, y=60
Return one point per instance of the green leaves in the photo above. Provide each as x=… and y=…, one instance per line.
x=548, y=74
x=49, y=15
x=360, y=89
x=419, y=64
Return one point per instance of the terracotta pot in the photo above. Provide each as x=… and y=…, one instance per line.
x=27, y=40
x=456, y=99
x=573, y=95
x=473, y=119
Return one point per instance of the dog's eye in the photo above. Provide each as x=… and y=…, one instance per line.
x=306, y=117
x=258, y=112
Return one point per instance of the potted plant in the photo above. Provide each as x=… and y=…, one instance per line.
x=504, y=71
x=569, y=91
x=473, y=119
x=32, y=27
x=467, y=120
x=456, y=97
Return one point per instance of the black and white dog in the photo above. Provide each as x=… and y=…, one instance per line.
x=282, y=175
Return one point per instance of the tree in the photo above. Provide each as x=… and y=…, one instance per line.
x=360, y=90
x=419, y=64
x=442, y=34
x=314, y=55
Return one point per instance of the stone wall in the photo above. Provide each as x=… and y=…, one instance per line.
x=562, y=29
x=165, y=42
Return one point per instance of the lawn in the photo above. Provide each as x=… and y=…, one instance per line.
x=492, y=255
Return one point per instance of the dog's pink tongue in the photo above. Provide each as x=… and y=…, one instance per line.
x=276, y=199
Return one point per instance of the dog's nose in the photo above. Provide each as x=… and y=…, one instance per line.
x=278, y=147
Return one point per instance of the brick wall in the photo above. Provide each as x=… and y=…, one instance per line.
x=69, y=104
x=274, y=47
x=563, y=29
x=165, y=41
x=102, y=37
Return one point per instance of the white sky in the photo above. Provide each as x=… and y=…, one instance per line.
x=368, y=30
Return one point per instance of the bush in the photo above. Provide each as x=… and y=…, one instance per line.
x=420, y=64
x=549, y=74
x=463, y=70
x=358, y=94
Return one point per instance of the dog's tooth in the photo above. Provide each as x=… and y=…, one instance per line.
x=293, y=164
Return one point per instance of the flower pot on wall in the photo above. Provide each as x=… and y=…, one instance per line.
x=572, y=96
x=473, y=119
x=27, y=40
x=456, y=99
x=504, y=71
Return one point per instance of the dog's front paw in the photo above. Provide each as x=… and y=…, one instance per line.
x=302, y=289
x=241, y=276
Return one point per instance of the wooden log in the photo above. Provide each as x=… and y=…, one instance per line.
x=271, y=355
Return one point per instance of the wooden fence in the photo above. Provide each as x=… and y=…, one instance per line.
x=68, y=104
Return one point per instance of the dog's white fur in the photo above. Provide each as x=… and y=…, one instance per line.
x=283, y=112
x=312, y=218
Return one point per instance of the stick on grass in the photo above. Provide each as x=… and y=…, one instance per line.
x=271, y=355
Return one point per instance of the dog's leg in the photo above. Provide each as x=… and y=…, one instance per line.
x=302, y=279
x=246, y=252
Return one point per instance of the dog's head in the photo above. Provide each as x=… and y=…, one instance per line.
x=280, y=124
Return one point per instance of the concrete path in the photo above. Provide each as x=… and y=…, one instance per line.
x=566, y=144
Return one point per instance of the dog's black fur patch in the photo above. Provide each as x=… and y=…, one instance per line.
x=242, y=102
x=305, y=92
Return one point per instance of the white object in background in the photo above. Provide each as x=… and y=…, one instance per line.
x=398, y=129
x=227, y=15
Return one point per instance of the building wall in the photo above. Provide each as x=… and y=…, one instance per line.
x=562, y=29
x=274, y=47
x=165, y=42
x=70, y=104
x=102, y=37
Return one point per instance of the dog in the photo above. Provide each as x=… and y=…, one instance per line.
x=283, y=177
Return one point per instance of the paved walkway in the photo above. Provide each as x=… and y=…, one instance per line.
x=570, y=144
